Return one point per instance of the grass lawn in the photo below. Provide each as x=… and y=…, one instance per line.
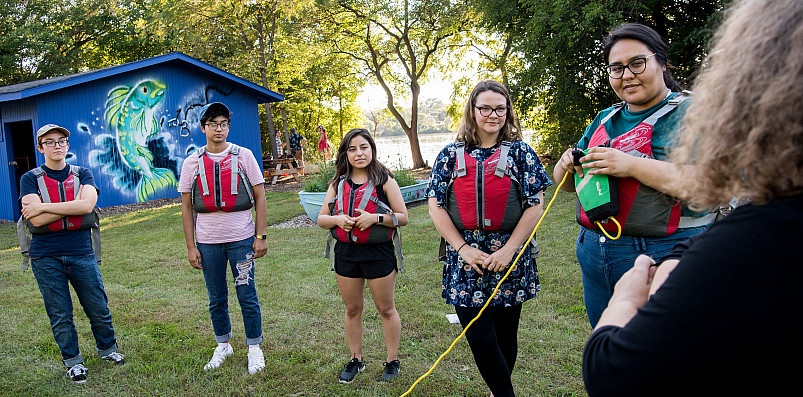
x=159, y=306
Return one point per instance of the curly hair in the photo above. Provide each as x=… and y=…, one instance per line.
x=467, y=130
x=744, y=131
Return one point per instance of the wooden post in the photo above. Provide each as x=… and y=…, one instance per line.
x=286, y=135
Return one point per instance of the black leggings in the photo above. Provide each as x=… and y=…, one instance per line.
x=493, y=341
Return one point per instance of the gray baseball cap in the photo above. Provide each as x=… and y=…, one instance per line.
x=50, y=127
x=215, y=105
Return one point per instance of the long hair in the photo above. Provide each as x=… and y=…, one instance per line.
x=467, y=130
x=377, y=171
x=744, y=130
x=651, y=39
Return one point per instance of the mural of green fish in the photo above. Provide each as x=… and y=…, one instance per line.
x=130, y=113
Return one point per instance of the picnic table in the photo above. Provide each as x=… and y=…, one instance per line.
x=275, y=168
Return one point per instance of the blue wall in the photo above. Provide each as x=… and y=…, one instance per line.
x=166, y=123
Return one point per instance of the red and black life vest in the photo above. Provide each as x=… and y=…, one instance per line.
x=221, y=186
x=643, y=211
x=346, y=201
x=484, y=195
x=53, y=191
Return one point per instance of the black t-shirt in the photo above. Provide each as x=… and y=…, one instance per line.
x=365, y=252
x=726, y=321
x=62, y=242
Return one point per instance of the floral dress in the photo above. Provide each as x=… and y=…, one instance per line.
x=462, y=285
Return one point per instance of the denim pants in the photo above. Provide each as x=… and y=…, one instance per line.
x=603, y=261
x=53, y=275
x=215, y=259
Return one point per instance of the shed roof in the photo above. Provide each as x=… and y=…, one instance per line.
x=33, y=88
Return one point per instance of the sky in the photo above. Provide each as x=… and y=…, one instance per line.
x=373, y=95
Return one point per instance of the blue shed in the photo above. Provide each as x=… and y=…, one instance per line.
x=156, y=100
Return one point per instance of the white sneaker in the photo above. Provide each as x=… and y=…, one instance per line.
x=77, y=373
x=221, y=352
x=256, y=360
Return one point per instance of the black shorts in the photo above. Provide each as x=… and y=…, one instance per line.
x=369, y=269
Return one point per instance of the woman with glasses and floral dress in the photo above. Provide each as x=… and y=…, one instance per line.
x=629, y=142
x=485, y=196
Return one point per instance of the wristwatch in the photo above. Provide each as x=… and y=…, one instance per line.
x=381, y=218
x=262, y=237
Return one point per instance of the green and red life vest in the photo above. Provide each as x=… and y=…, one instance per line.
x=642, y=210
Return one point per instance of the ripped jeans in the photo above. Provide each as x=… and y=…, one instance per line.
x=239, y=255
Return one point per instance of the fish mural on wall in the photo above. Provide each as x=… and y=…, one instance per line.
x=130, y=116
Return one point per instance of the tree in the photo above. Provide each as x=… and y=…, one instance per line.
x=398, y=44
x=277, y=44
x=40, y=39
x=562, y=83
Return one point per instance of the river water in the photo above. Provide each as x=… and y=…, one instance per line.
x=395, y=153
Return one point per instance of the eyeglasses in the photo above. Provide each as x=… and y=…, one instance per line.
x=486, y=111
x=637, y=66
x=60, y=142
x=213, y=126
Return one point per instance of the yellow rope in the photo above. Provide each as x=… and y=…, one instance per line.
x=602, y=229
x=494, y=292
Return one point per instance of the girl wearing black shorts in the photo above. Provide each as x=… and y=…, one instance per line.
x=358, y=171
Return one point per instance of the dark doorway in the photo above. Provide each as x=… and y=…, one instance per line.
x=21, y=147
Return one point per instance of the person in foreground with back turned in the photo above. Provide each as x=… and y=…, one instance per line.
x=721, y=314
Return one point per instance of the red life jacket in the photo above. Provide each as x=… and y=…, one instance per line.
x=346, y=201
x=643, y=211
x=484, y=195
x=53, y=191
x=221, y=186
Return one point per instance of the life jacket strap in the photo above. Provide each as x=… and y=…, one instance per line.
x=235, y=170
x=202, y=171
x=501, y=166
x=40, y=182
x=24, y=237
x=460, y=168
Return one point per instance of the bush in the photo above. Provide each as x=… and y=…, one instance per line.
x=320, y=181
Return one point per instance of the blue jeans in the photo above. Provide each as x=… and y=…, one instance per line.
x=53, y=275
x=603, y=261
x=239, y=255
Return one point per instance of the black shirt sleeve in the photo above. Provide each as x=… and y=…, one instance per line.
x=721, y=322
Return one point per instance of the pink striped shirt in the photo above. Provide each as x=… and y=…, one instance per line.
x=222, y=227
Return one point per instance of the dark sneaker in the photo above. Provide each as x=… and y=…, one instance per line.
x=391, y=370
x=77, y=373
x=114, y=357
x=352, y=368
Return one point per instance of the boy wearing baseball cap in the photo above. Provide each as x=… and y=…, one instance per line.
x=220, y=183
x=61, y=251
